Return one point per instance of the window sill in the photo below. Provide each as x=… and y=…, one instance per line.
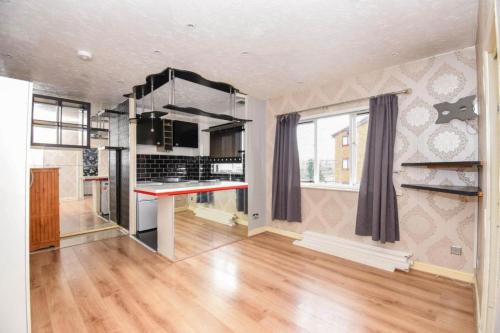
x=329, y=187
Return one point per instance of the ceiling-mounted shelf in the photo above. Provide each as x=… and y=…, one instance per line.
x=472, y=191
x=97, y=129
x=455, y=164
x=156, y=114
x=163, y=77
x=111, y=113
x=198, y=112
x=231, y=125
x=112, y=148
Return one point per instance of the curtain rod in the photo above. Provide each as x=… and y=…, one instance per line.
x=399, y=92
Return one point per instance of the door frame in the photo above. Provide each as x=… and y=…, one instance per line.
x=491, y=226
x=489, y=300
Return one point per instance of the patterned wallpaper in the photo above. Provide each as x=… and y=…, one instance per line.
x=429, y=222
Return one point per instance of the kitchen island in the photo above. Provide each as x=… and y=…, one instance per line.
x=166, y=193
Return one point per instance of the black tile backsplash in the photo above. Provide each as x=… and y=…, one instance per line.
x=151, y=167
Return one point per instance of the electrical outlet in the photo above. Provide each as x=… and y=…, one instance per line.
x=456, y=250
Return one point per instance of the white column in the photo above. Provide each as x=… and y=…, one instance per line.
x=166, y=226
x=132, y=227
x=15, y=106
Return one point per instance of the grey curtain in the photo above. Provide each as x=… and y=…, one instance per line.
x=286, y=171
x=377, y=214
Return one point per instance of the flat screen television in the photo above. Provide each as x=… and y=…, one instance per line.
x=185, y=134
x=144, y=134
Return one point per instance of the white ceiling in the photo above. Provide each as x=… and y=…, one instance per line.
x=290, y=43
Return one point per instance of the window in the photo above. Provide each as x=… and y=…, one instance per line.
x=345, y=164
x=60, y=122
x=332, y=149
x=306, y=143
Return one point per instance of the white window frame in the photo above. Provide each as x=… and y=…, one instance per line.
x=353, y=181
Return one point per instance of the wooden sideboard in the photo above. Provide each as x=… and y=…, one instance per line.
x=44, y=208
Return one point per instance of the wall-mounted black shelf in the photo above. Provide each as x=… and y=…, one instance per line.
x=472, y=191
x=198, y=112
x=455, y=164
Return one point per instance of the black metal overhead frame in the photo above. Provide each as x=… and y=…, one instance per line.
x=237, y=125
x=164, y=76
x=198, y=112
x=110, y=113
x=154, y=81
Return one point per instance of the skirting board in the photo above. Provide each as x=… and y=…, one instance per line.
x=443, y=271
x=214, y=215
x=259, y=230
x=366, y=254
x=241, y=221
x=83, y=232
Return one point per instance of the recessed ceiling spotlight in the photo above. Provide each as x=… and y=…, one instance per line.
x=190, y=25
x=245, y=53
x=157, y=52
x=395, y=54
x=84, y=55
x=300, y=82
x=6, y=55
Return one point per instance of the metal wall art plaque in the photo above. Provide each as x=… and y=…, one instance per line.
x=462, y=109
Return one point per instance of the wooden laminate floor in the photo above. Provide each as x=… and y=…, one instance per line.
x=194, y=235
x=259, y=284
x=77, y=216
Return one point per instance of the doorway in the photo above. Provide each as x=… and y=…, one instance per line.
x=68, y=141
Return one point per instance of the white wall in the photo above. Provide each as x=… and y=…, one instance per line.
x=15, y=104
x=256, y=162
